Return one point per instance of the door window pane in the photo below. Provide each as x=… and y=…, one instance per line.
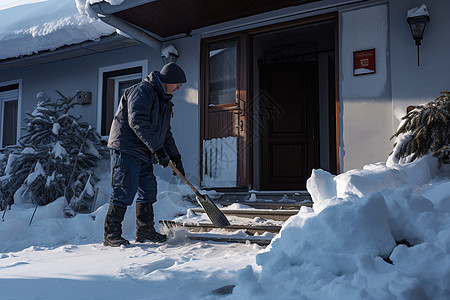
x=10, y=123
x=222, y=73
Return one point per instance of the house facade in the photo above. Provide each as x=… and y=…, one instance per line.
x=275, y=88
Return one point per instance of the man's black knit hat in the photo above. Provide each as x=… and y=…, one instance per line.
x=172, y=73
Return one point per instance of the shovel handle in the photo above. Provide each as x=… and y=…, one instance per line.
x=172, y=166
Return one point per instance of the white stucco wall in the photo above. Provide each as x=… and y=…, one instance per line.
x=186, y=121
x=366, y=106
x=412, y=84
x=82, y=73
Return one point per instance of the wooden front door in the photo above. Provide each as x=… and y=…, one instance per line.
x=223, y=113
x=288, y=128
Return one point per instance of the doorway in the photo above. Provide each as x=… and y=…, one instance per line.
x=287, y=124
x=293, y=105
x=268, y=106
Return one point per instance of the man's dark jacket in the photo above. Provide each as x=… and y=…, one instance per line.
x=141, y=124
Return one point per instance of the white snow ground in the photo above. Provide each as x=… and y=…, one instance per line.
x=63, y=258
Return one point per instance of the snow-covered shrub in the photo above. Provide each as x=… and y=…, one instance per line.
x=56, y=158
x=426, y=129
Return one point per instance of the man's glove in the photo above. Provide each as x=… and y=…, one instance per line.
x=162, y=157
x=177, y=162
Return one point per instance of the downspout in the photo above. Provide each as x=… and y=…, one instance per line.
x=127, y=28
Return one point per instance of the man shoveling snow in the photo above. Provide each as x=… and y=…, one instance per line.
x=141, y=136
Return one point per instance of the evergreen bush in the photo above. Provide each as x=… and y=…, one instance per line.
x=56, y=158
x=427, y=128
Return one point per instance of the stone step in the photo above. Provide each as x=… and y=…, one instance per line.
x=269, y=205
x=276, y=215
x=228, y=239
x=261, y=196
x=257, y=199
x=276, y=206
x=207, y=227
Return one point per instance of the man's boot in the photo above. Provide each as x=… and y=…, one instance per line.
x=145, y=225
x=113, y=226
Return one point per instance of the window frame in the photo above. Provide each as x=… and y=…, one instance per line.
x=9, y=87
x=143, y=64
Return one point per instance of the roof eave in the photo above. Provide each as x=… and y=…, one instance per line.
x=106, y=8
x=106, y=43
x=105, y=12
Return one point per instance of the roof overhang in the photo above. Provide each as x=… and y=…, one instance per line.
x=105, y=43
x=167, y=18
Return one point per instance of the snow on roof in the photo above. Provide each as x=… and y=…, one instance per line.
x=30, y=26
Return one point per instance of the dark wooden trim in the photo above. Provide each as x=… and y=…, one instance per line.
x=248, y=114
x=167, y=18
x=337, y=97
x=293, y=23
x=242, y=98
x=204, y=83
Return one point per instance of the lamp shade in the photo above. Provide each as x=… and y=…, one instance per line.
x=417, y=26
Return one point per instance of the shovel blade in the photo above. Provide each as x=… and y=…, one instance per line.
x=214, y=213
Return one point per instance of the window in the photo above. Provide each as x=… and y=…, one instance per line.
x=222, y=73
x=9, y=105
x=113, y=81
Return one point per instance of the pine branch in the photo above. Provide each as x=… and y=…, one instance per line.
x=429, y=127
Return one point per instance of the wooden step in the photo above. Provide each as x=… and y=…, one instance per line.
x=269, y=205
x=264, y=200
x=228, y=239
x=276, y=215
x=263, y=196
x=207, y=227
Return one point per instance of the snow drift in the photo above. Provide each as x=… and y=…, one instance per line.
x=378, y=233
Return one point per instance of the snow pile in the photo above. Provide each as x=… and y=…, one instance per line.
x=378, y=233
x=418, y=11
x=169, y=50
x=30, y=26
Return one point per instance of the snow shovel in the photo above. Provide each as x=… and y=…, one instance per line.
x=215, y=215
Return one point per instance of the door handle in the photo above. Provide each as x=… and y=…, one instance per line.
x=241, y=107
x=240, y=125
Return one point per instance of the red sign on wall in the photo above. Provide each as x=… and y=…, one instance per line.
x=364, y=62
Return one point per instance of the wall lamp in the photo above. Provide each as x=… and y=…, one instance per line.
x=417, y=20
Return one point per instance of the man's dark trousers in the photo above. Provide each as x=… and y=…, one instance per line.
x=130, y=175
